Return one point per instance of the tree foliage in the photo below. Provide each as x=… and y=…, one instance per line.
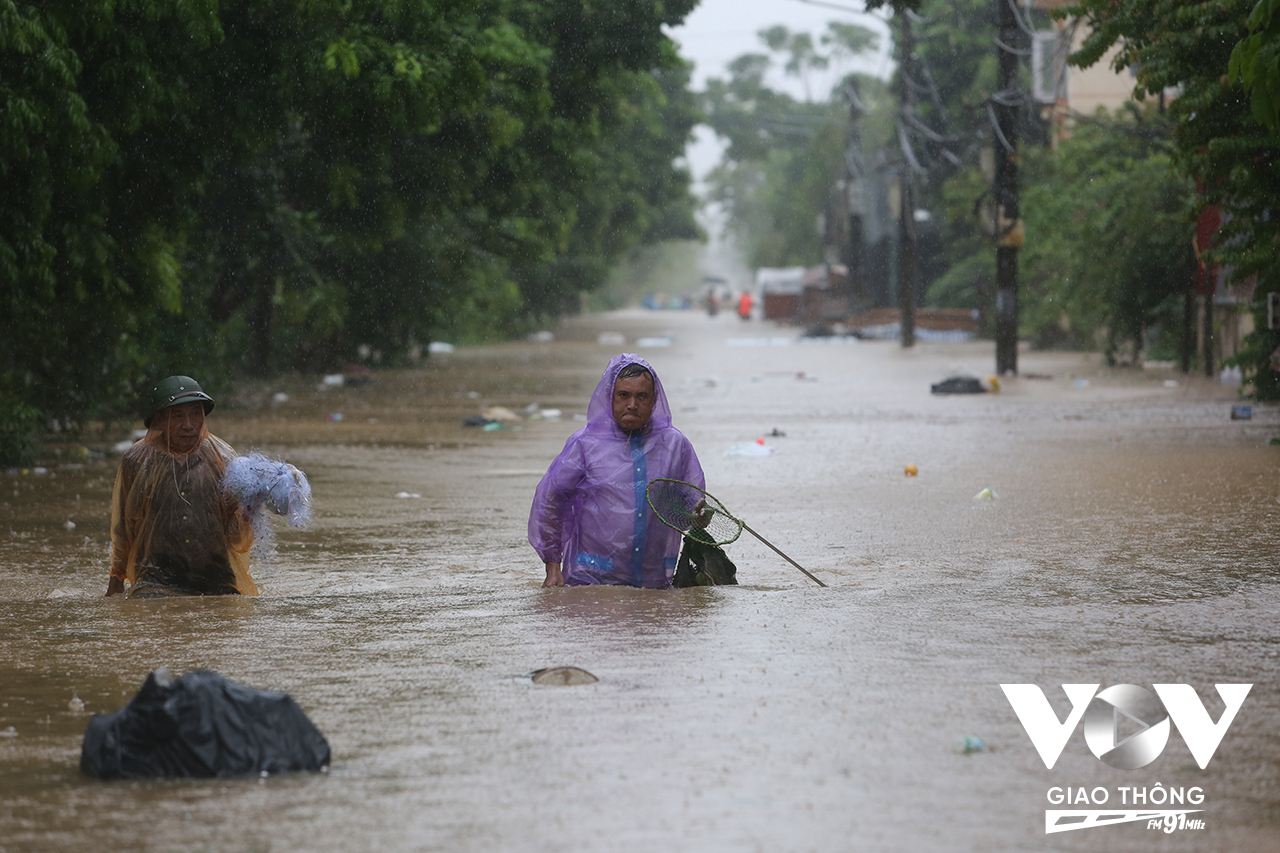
x=783, y=155
x=1255, y=61
x=1187, y=48
x=1106, y=261
x=206, y=186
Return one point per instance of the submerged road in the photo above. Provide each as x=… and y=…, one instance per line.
x=1131, y=539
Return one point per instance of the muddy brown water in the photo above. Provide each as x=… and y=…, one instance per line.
x=1133, y=540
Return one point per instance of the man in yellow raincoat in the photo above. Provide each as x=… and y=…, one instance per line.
x=174, y=529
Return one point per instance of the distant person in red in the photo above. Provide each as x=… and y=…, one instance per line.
x=744, y=305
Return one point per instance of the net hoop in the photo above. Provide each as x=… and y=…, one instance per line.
x=676, y=504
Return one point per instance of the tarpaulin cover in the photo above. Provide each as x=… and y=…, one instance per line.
x=201, y=725
x=590, y=513
x=173, y=527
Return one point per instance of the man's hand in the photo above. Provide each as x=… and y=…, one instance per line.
x=702, y=513
x=115, y=586
x=555, y=577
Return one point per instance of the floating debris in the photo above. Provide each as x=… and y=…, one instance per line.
x=750, y=448
x=986, y=495
x=970, y=745
x=958, y=385
x=562, y=676
x=76, y=704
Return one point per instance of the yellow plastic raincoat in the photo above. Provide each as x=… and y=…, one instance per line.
x=174, y=530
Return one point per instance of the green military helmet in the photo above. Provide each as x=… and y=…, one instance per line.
x=174, y=391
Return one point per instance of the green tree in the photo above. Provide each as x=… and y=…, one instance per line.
x=1255, y=61
x=212, y=185
x=784, y=157
x=1218, y=143
x=88, y=252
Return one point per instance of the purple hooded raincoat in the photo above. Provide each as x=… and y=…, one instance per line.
x=590, y=513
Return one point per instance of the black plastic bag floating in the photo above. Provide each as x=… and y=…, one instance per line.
x=958, y=385
x=201, y=725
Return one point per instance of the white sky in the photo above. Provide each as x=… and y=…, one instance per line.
x=719, y=31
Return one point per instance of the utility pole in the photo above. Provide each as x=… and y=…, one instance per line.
x=906, y=206
x=854, y=192
x=1008, y=213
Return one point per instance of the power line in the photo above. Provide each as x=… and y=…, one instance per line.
x=862, y=12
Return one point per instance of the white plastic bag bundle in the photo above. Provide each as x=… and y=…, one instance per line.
x=259, y=483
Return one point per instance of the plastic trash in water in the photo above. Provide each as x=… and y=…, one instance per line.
x=335, y=416
x=750, y=448
x=1231, y=376
x=1241, y=413
x=1082, y=383
x=543, y=337
x=491, y=426
x=958, y=385
x=279, y=397
x=439, y=347
x=970, y=745
x=986, y=495
x=333, y=380
x=202, y=725
x=407, y=495
x=501, y=413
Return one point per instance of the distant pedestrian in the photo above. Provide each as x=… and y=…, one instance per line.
x=744, y=305
x=590, y=522
x=174, y=529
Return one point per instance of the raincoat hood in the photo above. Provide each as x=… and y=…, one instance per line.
x=600, y=409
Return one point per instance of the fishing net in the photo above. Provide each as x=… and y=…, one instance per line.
x=705, y=520
x=687, y=508
x=261, y=484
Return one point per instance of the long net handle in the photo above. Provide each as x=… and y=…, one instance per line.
x=780, y=554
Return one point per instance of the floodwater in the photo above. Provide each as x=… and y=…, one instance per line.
x=1133, y=539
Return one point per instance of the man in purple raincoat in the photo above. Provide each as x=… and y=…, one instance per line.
x=591, y=522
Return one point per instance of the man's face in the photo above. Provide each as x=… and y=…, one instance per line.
x=633, y=402
x=182, y=429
